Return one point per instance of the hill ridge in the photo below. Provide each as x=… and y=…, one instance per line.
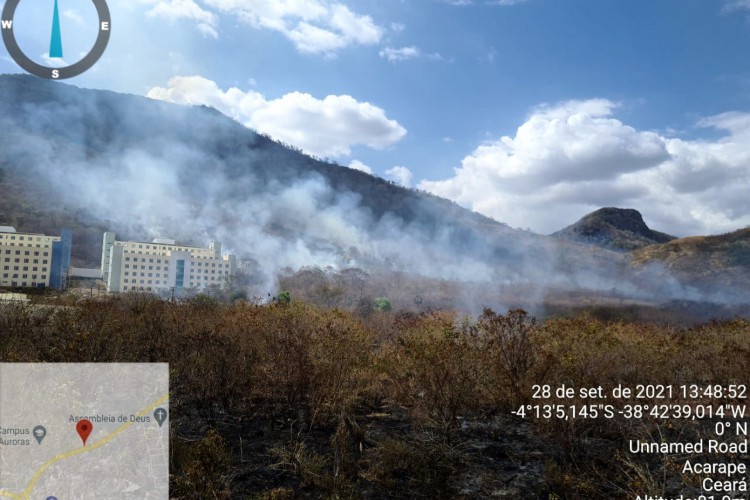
x=619, y=229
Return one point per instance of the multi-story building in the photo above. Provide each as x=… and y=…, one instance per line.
x=34, y=260
x=162, y=265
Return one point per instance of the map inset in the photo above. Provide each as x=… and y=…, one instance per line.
x=84, y=430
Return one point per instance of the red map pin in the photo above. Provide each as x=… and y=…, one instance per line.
x=84, y=428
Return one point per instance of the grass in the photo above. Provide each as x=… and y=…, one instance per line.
x=296, y=400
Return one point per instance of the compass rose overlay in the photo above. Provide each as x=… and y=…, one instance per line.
x=102, y=39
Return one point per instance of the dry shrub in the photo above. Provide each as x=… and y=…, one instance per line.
x=19, y=324
x=433, y=370
x=509, y=356
x=323, y=368
x=298, y=357
x=424, y=467
x=200, y=469
x=298, y=460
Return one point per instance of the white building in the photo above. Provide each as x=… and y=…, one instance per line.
x=31, y=260
x=162, y=265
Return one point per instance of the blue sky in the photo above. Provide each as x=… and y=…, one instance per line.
x=533, y=112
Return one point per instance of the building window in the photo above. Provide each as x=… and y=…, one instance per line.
x=180, y=276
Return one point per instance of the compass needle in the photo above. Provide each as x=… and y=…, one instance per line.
x=55, y=45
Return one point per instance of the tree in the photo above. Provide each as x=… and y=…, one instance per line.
x=382, y=304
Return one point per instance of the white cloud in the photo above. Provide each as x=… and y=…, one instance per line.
x=506, y=2
x=462, y=3
x=406, y=53
x=54, y=62
x=315, y=26
x=74, y=16
x=571, y=158
x=400, y=175
x=358, y=165
x=401, y=54
x=206, y=21
x=327, y=127
x=731, y=5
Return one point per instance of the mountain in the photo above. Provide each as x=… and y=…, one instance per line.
x=619, y=229
x=95, y=160
x=718, y=263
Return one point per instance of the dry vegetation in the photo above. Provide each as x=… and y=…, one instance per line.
x=718, y=261
x=295, y=400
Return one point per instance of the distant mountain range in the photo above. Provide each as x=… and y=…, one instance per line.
x=714, y=263
x=94, y=160
x=718, y=263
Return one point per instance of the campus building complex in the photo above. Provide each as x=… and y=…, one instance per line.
x=162, y=265
x=34, y=260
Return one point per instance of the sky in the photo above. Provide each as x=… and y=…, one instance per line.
x=532, y=112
